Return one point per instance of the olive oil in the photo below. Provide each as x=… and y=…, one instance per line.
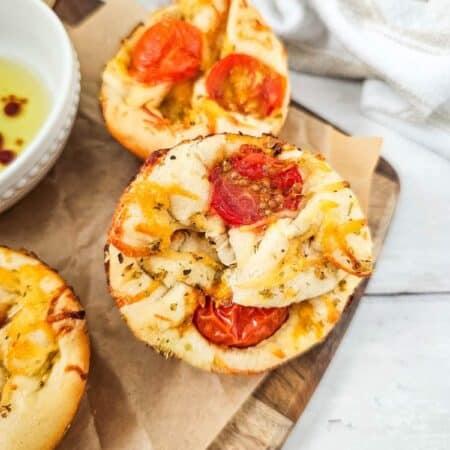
x=24, y=106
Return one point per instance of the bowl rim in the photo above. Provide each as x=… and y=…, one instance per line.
x=59, y=102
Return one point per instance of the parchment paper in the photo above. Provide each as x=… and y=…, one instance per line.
x=136, y=400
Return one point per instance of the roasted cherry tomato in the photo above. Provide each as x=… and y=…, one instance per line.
x=251, y=185
x=236, y=325
x=170, y=50
x=287, y=178
x=251, y=163
x=236, y=204
x=243, y=84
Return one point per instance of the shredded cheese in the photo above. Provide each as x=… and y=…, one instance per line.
x=154, y=201
x=306, y=322
x=287, y=268
x=29, y=339
x=337, y=250
x=143, y=294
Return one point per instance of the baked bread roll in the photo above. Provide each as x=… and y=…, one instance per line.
x=44, y=353
x=236, y=253
x=195, y=68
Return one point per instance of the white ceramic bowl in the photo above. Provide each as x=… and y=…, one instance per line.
x=30, y=32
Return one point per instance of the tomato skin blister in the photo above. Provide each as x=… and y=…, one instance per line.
x=236, y=325
x=169, y=51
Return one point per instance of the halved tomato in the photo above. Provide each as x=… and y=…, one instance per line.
x=244, y=84
x=236, y=325
x=251, y=185
x=285, y=179
x=235, y=203
x=170, y=50
x=252, y=162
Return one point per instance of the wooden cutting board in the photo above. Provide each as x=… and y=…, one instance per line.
x=266, y=418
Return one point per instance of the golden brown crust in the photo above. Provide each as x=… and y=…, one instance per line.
x=253, y=360
x=116, y=231
x=157, y=289
x=129, y=140
x=132, y=110
x=49, y=399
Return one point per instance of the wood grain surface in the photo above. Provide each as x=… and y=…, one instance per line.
x=73, y=12
x=266, y=418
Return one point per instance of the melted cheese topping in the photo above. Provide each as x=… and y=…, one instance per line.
x=26, y=318
x=176, y=106
x=306, y=322
x=289, y=260
x=28, y=343
x=154, y=201
x=44, y=353
x=165, y=323
x=147, y=117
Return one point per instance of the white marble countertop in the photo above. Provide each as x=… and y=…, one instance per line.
x=388, y=385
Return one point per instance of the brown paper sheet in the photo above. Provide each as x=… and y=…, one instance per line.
x=353, y=157
x=136, y=400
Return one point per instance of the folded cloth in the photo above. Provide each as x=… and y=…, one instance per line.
x=401, y=48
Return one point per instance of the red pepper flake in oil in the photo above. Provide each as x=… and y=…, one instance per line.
x=12, y=109
x=6, y=156
x=13, y=105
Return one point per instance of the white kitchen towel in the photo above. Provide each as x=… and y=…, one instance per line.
x=400, y=47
